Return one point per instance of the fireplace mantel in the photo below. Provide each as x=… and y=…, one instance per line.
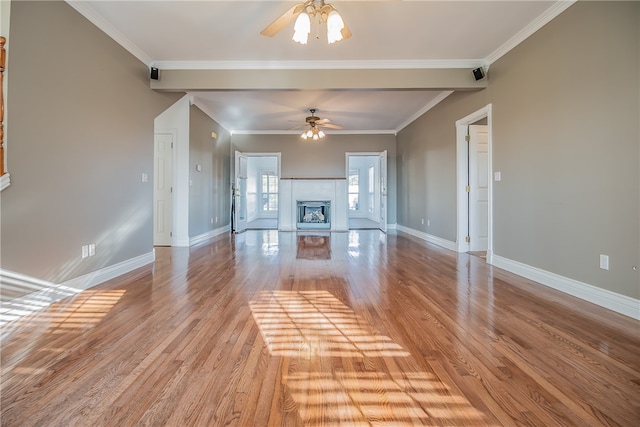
x=293, y=190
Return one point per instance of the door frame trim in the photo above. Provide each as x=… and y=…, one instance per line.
x=461, y=179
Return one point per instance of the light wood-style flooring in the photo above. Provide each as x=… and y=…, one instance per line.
x=356, y=329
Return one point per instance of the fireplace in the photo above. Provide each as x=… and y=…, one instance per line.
x=314, y=215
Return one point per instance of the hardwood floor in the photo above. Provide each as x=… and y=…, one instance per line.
x=254, y=330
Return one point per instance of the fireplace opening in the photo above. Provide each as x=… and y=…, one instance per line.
x=314, y=215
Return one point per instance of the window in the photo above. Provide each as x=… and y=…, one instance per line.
x=269, y=183
x=354, y=190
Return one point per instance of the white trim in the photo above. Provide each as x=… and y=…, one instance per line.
x=447, y=244
x=462, y=213
x=319, y=65
x=50, y=293
x=462, y=216
x=547, y=16
x=100, y=276
x=610, y=300
x=184, y=242
x=435, y=101
x=209, y=234
x=5, y=181
x=84, y=8
x=297, y=132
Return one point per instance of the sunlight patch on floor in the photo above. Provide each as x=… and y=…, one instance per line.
x=80, y=312
x=322, y=340
x=315, y=323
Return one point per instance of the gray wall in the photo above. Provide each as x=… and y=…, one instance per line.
x=80, y=136
x=566, y=139
x=427, y=166
x=210, y=192
x=324, y=158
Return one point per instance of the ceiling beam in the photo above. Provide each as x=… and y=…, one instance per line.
x=296, y=79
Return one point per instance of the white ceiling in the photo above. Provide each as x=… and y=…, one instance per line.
x=215, y=34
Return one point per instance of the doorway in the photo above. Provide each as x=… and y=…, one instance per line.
x=474, y=184
x=367, y=190
x=256, y=191
x=163, y=189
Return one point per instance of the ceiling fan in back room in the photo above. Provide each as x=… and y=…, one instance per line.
x=313, y=124
x=304, y=13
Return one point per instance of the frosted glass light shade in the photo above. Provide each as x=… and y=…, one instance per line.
x=302, y=28
x=335, y=24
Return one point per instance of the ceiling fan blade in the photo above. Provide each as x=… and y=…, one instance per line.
x=330, y=126
x=298, y=127
x=321, y=121
x=284, y=20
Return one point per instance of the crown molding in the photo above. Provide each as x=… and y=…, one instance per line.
x=329, y=133
x=84, y=8
x=547, y=16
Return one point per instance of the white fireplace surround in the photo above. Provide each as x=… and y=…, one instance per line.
x=294, y=190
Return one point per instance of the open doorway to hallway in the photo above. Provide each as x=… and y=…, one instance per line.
x=366, y=188
x=474, y=184
x=256, y=202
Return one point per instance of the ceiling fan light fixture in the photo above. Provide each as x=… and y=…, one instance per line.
x=313, y=133
x=320, y=12
x=302, y=28
x=335, y=25
x=314, y=123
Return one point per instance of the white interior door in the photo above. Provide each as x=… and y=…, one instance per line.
x=240, y=193
x=162, y=190
x=383, y=191
x=478, y=187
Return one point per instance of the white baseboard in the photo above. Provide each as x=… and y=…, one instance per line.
x=181, y=243
x=613, y=301
x=49, y=292
x=208, y=235
x=610, y=300
x=447, y=244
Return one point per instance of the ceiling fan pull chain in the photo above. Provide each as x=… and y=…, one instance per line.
x=318, y=29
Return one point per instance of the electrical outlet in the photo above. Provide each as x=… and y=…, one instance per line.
x=216, y=220
x=92, y=249
x=85, y=251
x=428, y=222
x=422, y=220
x=604, y=262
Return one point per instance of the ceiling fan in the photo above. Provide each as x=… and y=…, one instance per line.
x=325, y=13
x=314, y=123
